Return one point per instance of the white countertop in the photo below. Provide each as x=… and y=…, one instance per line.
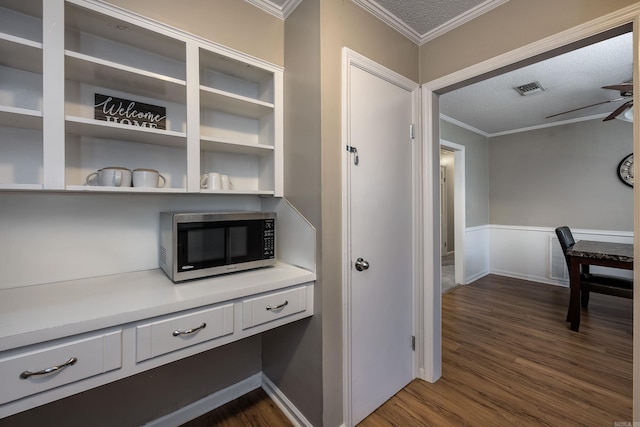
x=34, y=314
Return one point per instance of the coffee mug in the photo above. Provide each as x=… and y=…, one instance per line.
x=226, y=182
x=148, y=178
x=112, y=176
x=212, y=181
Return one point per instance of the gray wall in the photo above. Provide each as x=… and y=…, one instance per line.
x=292, y=354
x=563, y=175
x=476, y=171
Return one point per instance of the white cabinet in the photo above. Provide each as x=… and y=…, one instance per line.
x=273, y=306
x=21, y=137
x=33, y=370
x=175, y=332
x=223, y=108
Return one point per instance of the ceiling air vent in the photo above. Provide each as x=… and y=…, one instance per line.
x=529, y=88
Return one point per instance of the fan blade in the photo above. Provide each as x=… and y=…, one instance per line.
x=622, y=87
x=588, y=106
x=618, y=111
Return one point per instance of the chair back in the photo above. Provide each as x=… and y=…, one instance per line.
x=565, y=238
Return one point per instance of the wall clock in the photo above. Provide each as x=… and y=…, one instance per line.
x=625, y=170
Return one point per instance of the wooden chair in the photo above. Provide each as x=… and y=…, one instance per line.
x=599, y=283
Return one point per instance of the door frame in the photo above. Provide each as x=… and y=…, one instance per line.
x=431, y=145
x=351, y=58
x=459, y=208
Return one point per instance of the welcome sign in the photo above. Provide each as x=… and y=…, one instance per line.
x=126, y=112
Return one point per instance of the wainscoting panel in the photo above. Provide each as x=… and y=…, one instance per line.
x=528, y=252
x=476, y=253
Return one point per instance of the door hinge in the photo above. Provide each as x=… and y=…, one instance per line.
x=413, y=343
x=412, y=131
x=354, y=150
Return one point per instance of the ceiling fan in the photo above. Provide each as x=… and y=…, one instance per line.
x=626, y=93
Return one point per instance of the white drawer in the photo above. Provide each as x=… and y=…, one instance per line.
x=176, y=332
x=273, y=306
x=88, y=356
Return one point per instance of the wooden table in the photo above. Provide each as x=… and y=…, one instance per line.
x=588, y=252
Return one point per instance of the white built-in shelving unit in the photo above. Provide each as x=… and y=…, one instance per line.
x=224, y=108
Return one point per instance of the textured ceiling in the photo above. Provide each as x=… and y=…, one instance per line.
x=571, y=80
x=425, y=15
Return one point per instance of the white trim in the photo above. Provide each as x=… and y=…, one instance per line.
x=527, y=129
x=463, y=125
x=459, y=208
x=351, y=58
x=278, y=11
x=548, y=125
x=209, y=403
x=588, y=29
x=431, y=114
x=288, y=409
x=390, y=19
x=400, y=26
x=461, y=19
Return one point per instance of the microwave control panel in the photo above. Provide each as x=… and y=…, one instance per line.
x=269, y=239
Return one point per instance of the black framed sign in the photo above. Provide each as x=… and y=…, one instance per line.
x=127, y=112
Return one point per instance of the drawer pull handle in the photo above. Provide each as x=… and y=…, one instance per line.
x=277, y=307
x=51, y=370
x=189, y=331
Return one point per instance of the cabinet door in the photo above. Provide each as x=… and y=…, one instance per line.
x=31, y=371
x=175, y=332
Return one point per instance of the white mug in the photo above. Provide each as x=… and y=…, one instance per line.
x=112, y=176
x=212, y=181
x=226, y=182
x=148, y=178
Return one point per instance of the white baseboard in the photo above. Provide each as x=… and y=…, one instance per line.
x=228, y=394
x=477, y=276
x=208, y=403
x=285, y=405
x=530, y=278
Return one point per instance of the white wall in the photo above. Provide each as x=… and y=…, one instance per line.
x=50, y=237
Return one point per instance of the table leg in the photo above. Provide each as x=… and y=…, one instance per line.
x=574, y=300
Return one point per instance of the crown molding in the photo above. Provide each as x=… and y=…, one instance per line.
x=390, y=19
x=278, y=11
x=461, y=19
x=393, y=21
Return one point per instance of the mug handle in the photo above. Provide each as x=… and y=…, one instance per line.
x=91, y=181
x=164, y=181
x=203, y=181
x=117, y=178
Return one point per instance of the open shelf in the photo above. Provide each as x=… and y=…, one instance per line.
x=98, y=129
x=20, y=118
x=227, y=102
x=101, y=189
x=213, y=144
x=21, y=54
x=99, y=72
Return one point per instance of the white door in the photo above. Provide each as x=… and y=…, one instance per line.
x=379, y=199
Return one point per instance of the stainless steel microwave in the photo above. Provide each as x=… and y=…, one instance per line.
x=196, y=245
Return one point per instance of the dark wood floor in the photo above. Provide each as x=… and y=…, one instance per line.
x=509, y=359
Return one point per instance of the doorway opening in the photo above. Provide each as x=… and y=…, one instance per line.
x=452, y=194
x=552, y=46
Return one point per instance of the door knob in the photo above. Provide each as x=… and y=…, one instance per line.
x=361, y=264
